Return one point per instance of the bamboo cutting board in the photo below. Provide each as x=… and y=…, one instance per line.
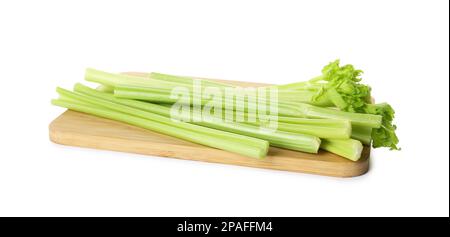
x=84, y=130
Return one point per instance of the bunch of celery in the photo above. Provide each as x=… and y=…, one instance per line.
x=338, y=86
x=332, y=112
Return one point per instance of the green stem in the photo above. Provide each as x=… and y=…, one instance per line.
x=322, y=131
x=348, y=148
x=284, y=108
x=322, y=128
x=310, y=111
x=363, y=134
x=294, y=141
x=222, y=140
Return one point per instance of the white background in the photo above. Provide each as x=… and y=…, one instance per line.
x=402, y=46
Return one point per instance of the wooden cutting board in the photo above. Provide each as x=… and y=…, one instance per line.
x=84, y=130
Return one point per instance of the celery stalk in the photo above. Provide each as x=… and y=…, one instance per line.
x=137, y=88
x=348, y=148
x=103, y=88
x=218, y=139
x=155, y=117
x=155, y=97
x=284, y=109
x=114, y=79
x=323, y=131
x=322, y=128
x=185, y=80
x=310, y=111
x=337, y=86
x=288, y=140
x=363, y=134
x=294, y=141
x=340, y=86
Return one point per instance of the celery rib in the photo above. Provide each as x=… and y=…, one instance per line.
x=158, y=118
x=348, y=148
x=301, y=106
x=284, y=109
x=363, y=134
x=369, y=120
x=247, y=146
x=294, y=141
